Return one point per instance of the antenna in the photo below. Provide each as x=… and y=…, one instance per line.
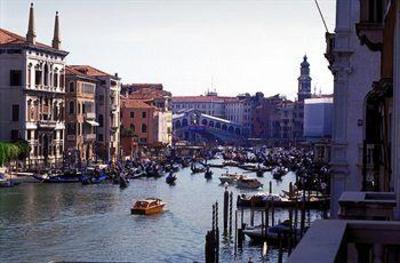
x=322, y=16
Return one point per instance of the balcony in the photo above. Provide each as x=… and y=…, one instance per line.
x=367, y=205
x=349, y=241
x=49, y=124
x=90, y=137
x=330, y=46
x=90, y=115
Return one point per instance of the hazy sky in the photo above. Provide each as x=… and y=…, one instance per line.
x=243, y=46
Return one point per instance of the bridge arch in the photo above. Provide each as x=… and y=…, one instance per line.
x=185, y=123
x=178, y=124
x=211, y=124
x=204, y=122
x=237, y=131
x=231, y=129
x=224, y=127
x=218, y=125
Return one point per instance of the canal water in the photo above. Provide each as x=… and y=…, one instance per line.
x=71, y=222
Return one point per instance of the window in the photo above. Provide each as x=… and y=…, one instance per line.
x=28, y=135
x=132, y=114
x=15, y=112
x=70, y=129
x=61, y=134
x=100, y=137
x=143, y=114
x=88, y=88
x=132, y=127
x=144, y=128
x=71, y=107
x=101, y=120
x=38, y=77
x=55, y=80
x=46, y=75
x=29, y=75
x=15, y=78
x=71, y=87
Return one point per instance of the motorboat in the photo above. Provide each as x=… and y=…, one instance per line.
x=148, y=206
x=229, y=178
x=250, y=183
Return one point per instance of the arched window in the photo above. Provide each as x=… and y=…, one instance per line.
x=224, y=127
x=204, y=122
x=144, y=128
x=218, y=125
x=71, y=87
x=184, y=122
x=211, y=124
x=55, y=78
x=231, y=129
x=177, y=124
x=237, y=131
x=46, y=75
x=71, y=107
x=132, y=126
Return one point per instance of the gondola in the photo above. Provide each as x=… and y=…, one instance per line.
x=170, y=179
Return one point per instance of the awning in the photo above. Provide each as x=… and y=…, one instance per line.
x=93, y=123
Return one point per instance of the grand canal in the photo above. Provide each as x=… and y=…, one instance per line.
x=71, y=222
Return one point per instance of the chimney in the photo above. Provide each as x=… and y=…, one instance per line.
x=31, y=35
x=56, y=37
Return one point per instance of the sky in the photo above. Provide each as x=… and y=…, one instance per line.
x=189, y=46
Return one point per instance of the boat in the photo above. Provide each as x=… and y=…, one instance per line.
x=279, y=172
x=197, y=169
x=57, y=177
x=263, y=200
x=123, y=181
x=170, y=179
x=272, y=233
x=229, y=178
x=147, y=206
x=208, y=174
x=91, y=176
x=250, y=183
x=5, y=183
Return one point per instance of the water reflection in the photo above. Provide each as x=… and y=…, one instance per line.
x=93, y=223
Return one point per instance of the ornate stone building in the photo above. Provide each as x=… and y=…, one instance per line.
x=32, y=93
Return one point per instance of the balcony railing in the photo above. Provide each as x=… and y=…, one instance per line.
x=47, y=123
x=89, y=137
x=367, y=205
x=90, y=115
x=349, y=241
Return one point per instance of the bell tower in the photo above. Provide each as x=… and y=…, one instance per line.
x=304, y=89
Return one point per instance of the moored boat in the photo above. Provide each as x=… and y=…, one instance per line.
x=147, y=206
x=229, y=178
x=250, y=183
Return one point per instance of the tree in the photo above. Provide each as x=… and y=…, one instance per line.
x=13, y=151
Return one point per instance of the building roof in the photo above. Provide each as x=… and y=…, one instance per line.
x=8, y=38
x=89, y=71
x=146, y=91
x=135, y=104
x=204, y=99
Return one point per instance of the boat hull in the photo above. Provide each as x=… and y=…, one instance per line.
x=147, y=211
